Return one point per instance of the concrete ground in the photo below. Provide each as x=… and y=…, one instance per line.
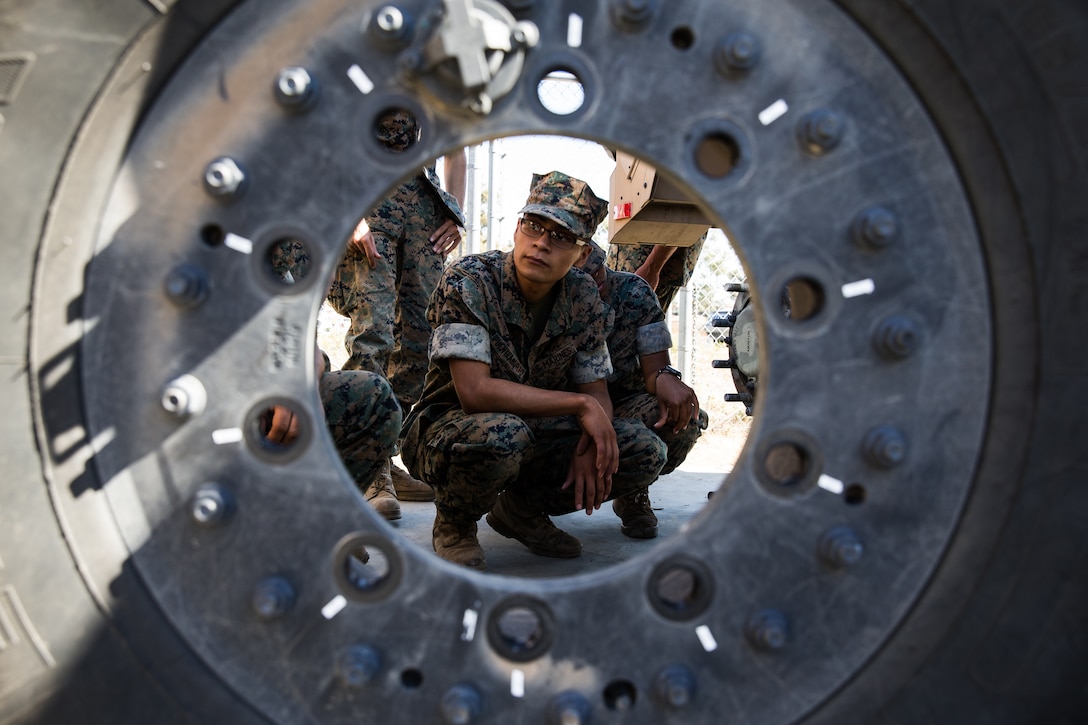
x=676, y=498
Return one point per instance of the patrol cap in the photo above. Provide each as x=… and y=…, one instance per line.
x=397, y=129
x=595, y=260
x=567, y=201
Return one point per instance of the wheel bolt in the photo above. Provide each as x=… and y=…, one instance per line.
x=884, y=447
x=896, y=338
x=295, y=88
x=186, y=285
x=821, y=131
x=224, y=178
x=875, y=227
x=461, y=705
x=632, y=14
x=840, y=548
x=184, y=396
x=273, y=597
x=675, y=687
x=737, y=52
x=211, y=505
x=358, y=666
x=390, y=26
x=767, y=630
x=568, y=708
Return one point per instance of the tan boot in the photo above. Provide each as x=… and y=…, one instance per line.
x=381, y=496
x=457, y=544
x=408, y=488
x=637, y=517
x=516, y=520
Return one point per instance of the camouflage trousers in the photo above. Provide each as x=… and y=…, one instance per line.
x=389, y=332
x=471, y=458
x=643, y=406
x=364, y=419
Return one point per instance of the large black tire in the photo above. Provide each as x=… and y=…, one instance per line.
x=90, y=633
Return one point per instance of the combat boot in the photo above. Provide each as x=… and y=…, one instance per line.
x=516, y=520
x=408, y=488
x=381, y=496
x=457, y=543
x=636, y=516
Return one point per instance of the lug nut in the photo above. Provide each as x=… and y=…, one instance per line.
x=568, y=708
x=358, y=666
x=821, y=131
x=632, y=14
x=875, y=227
x=390, y=25
x=186, y=285
x=184, y=396
x=767, y=630
x=675, y=687
x=211, y=506
x=273, y=597
x=461, y=705
x=737, y=52
x=840, y=548
x=896, y=338
x=884, y=447
x=224, y=177
x=295, y=88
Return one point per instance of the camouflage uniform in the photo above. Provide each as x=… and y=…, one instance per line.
x=638, y=328
x=388, y=304
x=674, y=275
x=478, y=313
x=364, y=419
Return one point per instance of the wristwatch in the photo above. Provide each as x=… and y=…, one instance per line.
x=671, y=371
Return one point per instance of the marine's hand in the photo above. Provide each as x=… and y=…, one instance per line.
x=597, y=429
x=677, y=404
x=446, y=237
x=591, y=489
x=362, y=242
x=282, y=426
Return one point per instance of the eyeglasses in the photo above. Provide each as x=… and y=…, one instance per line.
x=561, y=240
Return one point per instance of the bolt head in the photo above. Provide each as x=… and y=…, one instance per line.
x=294, y=82
x=359, y=666
x=186, y=285
x=875, y=227
x=840, y=548
x=389, y=19
x=460, y=705
x=737, y=52
x=884, y=447
x=207, y=509
x=184, y=396
x=223, y=177
x=821, y=131
x=767, y=630
x=273, y=597
x=295, y=88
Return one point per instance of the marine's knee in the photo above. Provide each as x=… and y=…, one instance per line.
x=640, y=447
x=498, y=434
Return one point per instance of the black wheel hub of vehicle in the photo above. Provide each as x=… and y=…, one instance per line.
x=869, y=419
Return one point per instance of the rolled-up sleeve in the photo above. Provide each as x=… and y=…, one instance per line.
x=460, y=341
x=653, y=337
x=591, y=364
x=457, y=319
